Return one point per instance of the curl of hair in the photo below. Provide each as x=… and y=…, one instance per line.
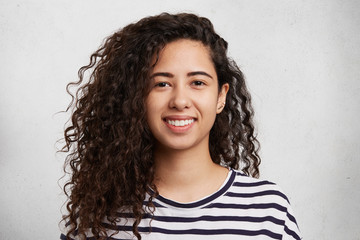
x=109, y=144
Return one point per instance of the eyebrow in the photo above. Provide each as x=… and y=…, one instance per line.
x=190, y=74
x=199, y=73
x=162, y=74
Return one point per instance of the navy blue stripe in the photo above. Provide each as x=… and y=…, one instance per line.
x=248, y=206
x=208, y=218
x=201, y=202
x=257, y=194
x=156, y=204
x=291, y=218
x=218, y=232
x=253, y=184
x=219, y=219
x=204, y=231
x=241, y=174
x=291, y=233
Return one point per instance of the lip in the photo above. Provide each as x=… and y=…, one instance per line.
x=178, y=117
x=179, y=129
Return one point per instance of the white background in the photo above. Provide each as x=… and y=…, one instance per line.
x=301, y=60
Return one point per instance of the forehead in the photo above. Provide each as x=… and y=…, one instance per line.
x=184, y=52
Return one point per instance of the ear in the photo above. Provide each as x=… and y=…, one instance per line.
x=222, y=98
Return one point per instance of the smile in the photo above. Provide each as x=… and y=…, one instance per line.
x=180, y=123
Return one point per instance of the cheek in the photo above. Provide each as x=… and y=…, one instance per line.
x=152, y=109
x=210, y=101
x=150, y=103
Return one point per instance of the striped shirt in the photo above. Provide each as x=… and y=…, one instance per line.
x=243, y=208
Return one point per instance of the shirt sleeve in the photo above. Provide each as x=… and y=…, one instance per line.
x=291, y=228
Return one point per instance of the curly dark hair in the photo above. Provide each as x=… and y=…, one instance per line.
x=108, y=141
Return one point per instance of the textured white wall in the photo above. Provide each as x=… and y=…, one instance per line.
x=301, y=60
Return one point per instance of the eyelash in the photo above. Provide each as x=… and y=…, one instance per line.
x=161, y=84
x=165, y=84
x=198, y=83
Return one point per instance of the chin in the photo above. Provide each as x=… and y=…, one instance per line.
x=177, y=146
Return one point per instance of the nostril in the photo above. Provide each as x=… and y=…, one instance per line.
x=180, y=103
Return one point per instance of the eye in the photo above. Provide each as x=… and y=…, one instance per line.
x=162, y=84
x=198, y=83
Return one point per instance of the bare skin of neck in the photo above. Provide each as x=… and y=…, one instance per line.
x=187, y=175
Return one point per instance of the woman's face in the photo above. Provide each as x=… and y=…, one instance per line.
x=184, y=97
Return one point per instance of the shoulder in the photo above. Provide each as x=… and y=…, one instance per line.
x=258, y=191
x=255, y=187
x=265, y=196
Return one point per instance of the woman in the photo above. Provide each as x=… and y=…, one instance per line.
x=161, y=142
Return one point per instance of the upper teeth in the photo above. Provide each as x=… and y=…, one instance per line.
x=180, y=123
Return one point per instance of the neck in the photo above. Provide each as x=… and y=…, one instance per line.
x=187, y=175
x=181, y=166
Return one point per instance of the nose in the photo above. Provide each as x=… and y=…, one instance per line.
x=180, y=98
